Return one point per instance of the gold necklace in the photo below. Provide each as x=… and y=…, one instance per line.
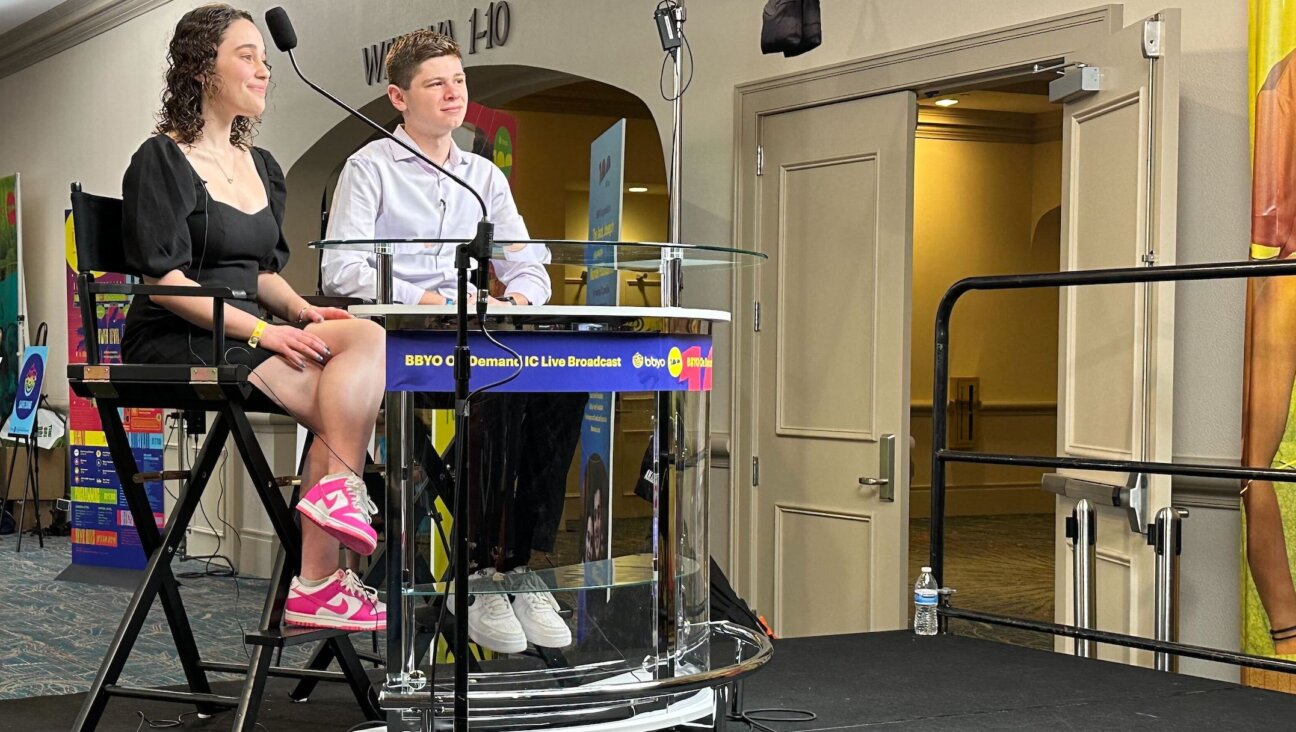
x=234, y=164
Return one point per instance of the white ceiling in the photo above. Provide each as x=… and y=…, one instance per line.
x=14, y=13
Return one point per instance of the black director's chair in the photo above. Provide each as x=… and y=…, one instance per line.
x=225, y=390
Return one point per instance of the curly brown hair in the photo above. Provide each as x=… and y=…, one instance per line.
x=192, y=55
x=409, y=52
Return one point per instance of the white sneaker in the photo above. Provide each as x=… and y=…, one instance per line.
x=537, y=611
x=491, y=622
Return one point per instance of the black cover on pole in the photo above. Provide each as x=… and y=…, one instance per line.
x=791, y=26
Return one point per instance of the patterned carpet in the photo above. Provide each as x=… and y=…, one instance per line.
x=999, y=564
x=53, y=634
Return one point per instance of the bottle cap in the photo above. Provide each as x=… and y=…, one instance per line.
x=926, y=569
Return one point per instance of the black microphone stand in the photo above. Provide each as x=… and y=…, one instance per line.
x=478, y=249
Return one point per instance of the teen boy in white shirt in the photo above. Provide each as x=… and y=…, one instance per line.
x=385, y=192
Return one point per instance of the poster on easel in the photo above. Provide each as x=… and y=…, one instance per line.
x=607, y=159
x=103, y=530
x=26, y=402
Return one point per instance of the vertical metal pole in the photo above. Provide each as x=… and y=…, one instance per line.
x=1166, y=540
x=182, y=462
x=394, y=408
x=671, y=275
x=940, y=406
x=394, y=415
x=1082, y=529
x=384, y=287
x=409, y=554
x=720, y=708
x=677, y=146
x=736, y=701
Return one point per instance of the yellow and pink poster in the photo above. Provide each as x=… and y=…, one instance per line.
x=103, y=531
x=1269, y=430
x=491, y=134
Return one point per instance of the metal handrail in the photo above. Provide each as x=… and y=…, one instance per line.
x=941, y=455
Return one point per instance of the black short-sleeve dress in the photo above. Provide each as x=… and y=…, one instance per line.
x=169, y=222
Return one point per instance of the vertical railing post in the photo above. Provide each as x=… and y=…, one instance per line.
x=1166, y=537
x=1082, y=529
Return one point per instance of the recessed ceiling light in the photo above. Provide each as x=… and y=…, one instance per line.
x=638, y=189
x=947, y=102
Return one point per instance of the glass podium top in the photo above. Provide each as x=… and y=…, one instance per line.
x=623, y=255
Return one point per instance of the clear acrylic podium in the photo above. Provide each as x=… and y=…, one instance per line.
x=634, y=585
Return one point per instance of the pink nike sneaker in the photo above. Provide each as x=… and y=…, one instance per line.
x=340, y=505
x=343, y=603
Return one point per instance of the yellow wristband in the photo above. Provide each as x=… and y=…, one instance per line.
x=255, y=338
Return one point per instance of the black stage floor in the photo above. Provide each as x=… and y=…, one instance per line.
x=852, y=683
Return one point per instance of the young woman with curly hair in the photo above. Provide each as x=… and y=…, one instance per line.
x=203, y=207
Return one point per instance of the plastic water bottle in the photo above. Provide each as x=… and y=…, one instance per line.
x=926, y=594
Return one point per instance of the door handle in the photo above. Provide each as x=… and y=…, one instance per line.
x=886, y=468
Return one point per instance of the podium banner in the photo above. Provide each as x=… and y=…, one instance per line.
x=554, y=362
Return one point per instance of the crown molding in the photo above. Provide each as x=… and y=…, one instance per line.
x=978, y=125
x=64, y=26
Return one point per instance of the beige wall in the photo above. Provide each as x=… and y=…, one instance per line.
x=80, y=114
x=983, y=208
x=975, y=213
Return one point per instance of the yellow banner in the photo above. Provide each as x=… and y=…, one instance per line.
x=1269, y=431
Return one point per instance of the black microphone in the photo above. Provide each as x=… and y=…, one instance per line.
x=285, y=39
x=281, y=30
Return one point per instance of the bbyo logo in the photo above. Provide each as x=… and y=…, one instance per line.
x=652, y=362
x=675, y=362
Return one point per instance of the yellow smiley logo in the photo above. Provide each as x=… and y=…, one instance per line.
x=675, y=362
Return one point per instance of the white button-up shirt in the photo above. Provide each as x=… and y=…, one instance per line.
x=385, y=192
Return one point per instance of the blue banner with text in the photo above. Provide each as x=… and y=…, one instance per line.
x=554, y=362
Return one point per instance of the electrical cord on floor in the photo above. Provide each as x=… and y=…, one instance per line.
x=371, y=725
x=207, y=571
x=228, y=571
x=179, y=721
x=754, y=718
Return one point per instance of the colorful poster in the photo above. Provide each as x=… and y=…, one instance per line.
x=491, y=134
x=598, y=427
x=13, y=336
x=103, y=531
x=31, y=378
